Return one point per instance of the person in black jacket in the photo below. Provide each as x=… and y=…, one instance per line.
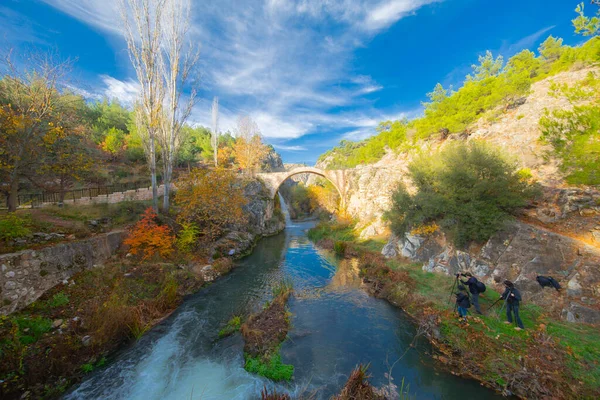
x=512, y=298
x=472, y=283
x=462, y=302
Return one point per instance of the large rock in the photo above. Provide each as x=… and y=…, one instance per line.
x=579, y=313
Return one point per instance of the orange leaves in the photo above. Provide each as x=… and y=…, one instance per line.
x=149, y=239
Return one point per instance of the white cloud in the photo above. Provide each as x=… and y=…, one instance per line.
x=125, y=91
x=271, y=60
x=388, y=12
x=289, y=148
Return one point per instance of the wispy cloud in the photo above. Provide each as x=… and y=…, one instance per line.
x=509, y=49
x=271, y=60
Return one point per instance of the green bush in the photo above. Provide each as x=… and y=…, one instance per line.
x=12, y=227
x=469, y=190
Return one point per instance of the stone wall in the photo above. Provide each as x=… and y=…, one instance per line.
x=27, y=274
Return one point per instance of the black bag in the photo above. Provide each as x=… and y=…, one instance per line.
x=480, y=286
x=554, y=283
x=548, y=281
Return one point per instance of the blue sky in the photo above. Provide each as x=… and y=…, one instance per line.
x=310, y=72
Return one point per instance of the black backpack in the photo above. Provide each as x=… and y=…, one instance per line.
x=547, y=281
x=480, y=286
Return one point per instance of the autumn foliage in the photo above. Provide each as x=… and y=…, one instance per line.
x=212, y=200
x=148, y=239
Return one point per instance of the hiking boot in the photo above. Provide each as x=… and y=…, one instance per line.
x=518, y=329
x=507, y=323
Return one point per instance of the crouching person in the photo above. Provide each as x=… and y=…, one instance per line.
x=462, y=302
x=512, y=299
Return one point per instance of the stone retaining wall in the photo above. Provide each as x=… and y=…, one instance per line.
x=27, y=274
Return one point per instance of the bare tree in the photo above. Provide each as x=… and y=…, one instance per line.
x=177, y=62
x=215, y=130
x=142, y=29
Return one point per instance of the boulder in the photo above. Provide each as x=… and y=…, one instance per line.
x=390, y=248
x=411, y=245
x=574, y=288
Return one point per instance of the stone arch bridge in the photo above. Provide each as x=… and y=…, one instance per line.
x=338, y=178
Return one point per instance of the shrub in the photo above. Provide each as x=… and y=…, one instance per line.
x=150, y=239
x=470, y=190
x=12, y=227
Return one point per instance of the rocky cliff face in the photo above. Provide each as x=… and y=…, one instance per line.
x=513, y=129
x=519, y=253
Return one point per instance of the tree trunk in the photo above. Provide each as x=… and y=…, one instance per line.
x=153, y=174
x=166, y=181
x=13, y=196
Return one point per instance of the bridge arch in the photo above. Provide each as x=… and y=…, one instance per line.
x=274, y=180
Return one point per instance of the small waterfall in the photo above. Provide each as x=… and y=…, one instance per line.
x=285, y=211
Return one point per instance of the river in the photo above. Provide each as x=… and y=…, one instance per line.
x=335, y=326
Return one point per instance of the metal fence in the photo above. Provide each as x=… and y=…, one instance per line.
x=37, y=199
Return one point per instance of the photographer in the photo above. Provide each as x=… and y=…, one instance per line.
x=512, y=297
x=474, y=288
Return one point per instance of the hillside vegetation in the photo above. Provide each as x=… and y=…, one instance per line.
x=492, y=87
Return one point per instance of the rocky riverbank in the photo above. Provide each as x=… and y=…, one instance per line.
x=550, y=358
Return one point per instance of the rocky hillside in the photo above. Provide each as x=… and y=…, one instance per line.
x=514, y=129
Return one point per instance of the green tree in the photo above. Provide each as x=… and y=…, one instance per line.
x=584, y=25
x=488, y=67
x=107, y=115
x=551, y=49
x=114, y=141
x=469, y=190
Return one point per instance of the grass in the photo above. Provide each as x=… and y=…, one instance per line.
x=582, y=343
x=233, y=325
x=32, y=329
x=271, y=368
x=58, y=300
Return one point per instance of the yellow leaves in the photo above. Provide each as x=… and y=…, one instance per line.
x=425, y=230
x=212, y=199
